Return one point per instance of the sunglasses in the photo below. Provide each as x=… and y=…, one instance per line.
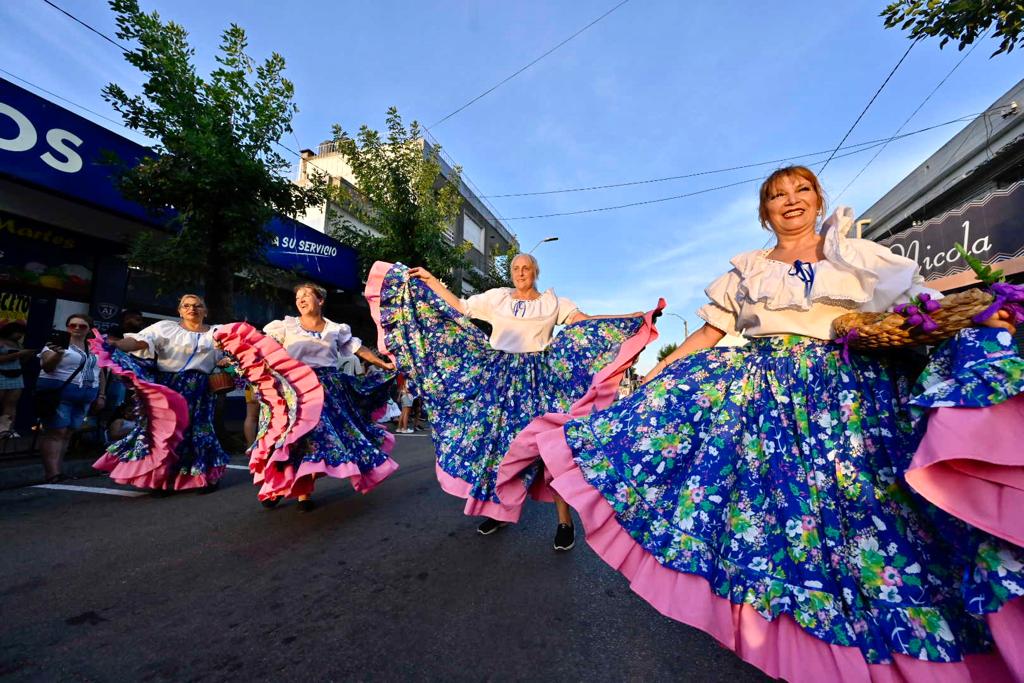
x=78, y=326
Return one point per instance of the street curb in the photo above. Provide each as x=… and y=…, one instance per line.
x=31, y=474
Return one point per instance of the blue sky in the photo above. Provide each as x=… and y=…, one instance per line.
x=658, y=88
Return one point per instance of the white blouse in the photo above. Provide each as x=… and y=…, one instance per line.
x=177, y=349
x=519, y=326
x=322, y=349
x=763, y=297
x=69, y=362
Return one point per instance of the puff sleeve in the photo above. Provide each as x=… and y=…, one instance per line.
x=722, y=311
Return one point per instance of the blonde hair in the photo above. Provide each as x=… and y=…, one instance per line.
x=768, y=188
x=181, y=301
x=533, y=262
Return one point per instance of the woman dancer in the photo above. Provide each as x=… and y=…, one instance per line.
x=757, y=492
x=185, y=356
x=480, y=392
x=346, y=443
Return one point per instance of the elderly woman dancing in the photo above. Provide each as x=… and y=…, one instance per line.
x=173, y=446
x=343, y=441
x=479, y=391
x=757, y=492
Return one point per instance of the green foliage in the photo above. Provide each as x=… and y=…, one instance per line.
x=216, y=171
x=983, y=271
x=666, y=351
x=403, y=196
x=498, y=272
x=960, y=20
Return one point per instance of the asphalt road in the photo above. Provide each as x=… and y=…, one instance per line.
x=394, y=585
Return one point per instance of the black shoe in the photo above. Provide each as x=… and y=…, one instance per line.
x=565, y=537
x=307, y=505
x=209, y=488
x=489, y=526
x=161, y=493
x=270, y=503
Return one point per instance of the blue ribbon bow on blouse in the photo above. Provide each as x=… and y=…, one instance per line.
x=519, y=308
x=805, y=273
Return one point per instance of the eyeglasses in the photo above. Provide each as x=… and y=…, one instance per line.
x=78, y=326
x=196, y=307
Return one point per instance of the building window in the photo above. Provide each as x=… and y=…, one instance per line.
x=473, y=233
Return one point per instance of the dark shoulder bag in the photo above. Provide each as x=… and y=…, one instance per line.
x=47, y=401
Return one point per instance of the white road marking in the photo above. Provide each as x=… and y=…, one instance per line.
x=91, y=489
x=238, y=467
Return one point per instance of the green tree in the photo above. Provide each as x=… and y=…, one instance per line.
x=960, y=20
x=215, y=172
x=666, y=350
x=403, y=196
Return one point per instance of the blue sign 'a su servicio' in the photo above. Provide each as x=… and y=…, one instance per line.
x=47, y=146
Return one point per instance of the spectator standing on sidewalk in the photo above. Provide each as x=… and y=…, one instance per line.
x=69, y=384
x=12, y=380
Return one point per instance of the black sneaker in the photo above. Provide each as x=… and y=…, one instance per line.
x=270, y=503
x=565, y=537
x=489, y=526
x=307, y=505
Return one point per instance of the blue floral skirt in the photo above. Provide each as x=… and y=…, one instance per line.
x=477, y=398
x=347, y=442
x=199, y=460
x=773, y=473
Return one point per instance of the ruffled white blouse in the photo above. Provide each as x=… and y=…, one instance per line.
x=519, y=326
x=177, y=349
x=763, y=297
x=322, y=349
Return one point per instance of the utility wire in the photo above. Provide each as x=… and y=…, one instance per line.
x=868, y=106
x=694, y=174
x=674, y=197
x=509, y=78
x=119, y=124
x=102, y=35
x=912, y=115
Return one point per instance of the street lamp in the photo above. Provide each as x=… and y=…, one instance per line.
x=686, y=327
x=546, y=239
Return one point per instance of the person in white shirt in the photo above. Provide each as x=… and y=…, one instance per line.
x=347, y=443
x=72, y=373
x=758, y=493
x=185, y=355
x=480, y=391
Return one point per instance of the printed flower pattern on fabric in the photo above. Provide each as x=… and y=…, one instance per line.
x=347, y=432
x=199, y=452
x=768, y=471
x=478, y=399
x=982, y=368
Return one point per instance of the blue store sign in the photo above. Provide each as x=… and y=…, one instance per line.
x=47, y=146
x=296, y=246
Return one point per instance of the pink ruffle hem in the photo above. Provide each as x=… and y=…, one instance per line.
x=971, y=464
x=779, y=647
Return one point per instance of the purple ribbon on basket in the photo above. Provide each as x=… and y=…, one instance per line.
x=917, y=313
x=1008, y=297
x=844, y=341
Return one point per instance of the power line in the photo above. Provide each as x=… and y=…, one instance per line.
x=912, y=115
x=509, y=78
x=102, y=35
x=869, y=144
x=678, y=196
x=59, y=97
x=631, y=204
x=868, y=106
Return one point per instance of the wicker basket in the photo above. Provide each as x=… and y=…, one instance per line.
x=221, y=382
x=890, y=330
